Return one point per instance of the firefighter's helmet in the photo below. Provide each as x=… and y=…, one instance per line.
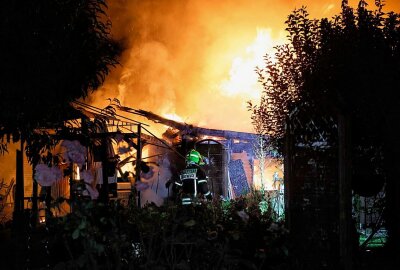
x=194, y=157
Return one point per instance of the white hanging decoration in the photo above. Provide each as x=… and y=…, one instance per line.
x=46, y=176
x=87, y=176
x=75, y=152
x=93, y=192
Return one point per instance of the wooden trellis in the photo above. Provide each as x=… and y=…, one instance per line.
x=318, y=188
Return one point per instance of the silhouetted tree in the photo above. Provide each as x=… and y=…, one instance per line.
x=351, y=64
x=51, y=53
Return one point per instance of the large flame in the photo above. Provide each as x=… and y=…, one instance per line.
x=272, y=176
x=196, y=58
x=243, y=79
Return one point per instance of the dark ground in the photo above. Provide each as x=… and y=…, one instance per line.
x=14, y=255
x=376, y=259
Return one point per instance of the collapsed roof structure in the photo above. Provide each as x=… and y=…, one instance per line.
x=115, y=143
x=231, y=155
x=233, y=159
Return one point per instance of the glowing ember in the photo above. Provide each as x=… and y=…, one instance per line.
x=173, y=116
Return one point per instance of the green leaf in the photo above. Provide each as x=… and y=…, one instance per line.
x=82, y=225
x=235, y=235
x=75, y=234
x=285, y=251
x=60, y=266
x=99, y=248
x=103, y=220
x=189, y=223
x=81, y=261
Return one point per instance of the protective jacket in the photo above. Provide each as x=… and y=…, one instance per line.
x=192, y=183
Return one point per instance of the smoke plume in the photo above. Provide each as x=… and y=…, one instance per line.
x=180, y=54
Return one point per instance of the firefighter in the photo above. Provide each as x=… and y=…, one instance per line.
x=192, y=183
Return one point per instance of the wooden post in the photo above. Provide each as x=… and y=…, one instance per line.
x=345, y=196
x=392, y=156
x=19, y=190
x=47, y=200
x=225, y=179
x=35, y=212
x=72, y=196
x=287, y=172
x=138, y=159
x=104, y=165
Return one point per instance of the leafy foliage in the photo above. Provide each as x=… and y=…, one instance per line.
x=52, y=52
x=222, y=235
x=346, y=66
x=348, y=63
x=90, y=232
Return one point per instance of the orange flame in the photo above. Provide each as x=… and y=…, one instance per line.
x=197, y=59
x=243, y=79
